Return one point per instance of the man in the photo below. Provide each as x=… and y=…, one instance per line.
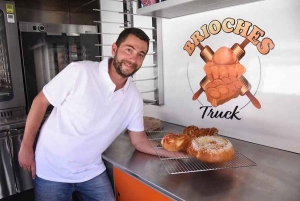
x=93, y=103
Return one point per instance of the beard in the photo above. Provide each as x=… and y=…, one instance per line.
x=121, y=71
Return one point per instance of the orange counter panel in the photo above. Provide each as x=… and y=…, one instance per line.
x=128, y=188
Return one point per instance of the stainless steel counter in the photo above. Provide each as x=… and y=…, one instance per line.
x=276, y=176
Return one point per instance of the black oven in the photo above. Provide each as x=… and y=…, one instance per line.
x=49, y=48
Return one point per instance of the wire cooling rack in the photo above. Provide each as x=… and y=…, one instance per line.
x=180, y=162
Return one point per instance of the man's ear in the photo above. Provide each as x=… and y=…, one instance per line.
x=114, y=49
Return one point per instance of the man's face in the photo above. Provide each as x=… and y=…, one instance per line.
x=129, y=56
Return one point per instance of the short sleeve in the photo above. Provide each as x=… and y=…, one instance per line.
x=61, y=85
x=137, y=122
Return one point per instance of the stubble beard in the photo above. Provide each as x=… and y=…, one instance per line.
x=118, y=67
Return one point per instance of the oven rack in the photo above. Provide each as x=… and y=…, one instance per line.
x=180, y=162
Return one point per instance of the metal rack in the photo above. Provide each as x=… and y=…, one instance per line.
x=154, y=95
x=180, y=162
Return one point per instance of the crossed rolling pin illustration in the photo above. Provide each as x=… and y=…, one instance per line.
x=224, y=78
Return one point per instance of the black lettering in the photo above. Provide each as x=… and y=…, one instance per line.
x=216, y=115
x=227, y=113
x=220, y=114
x=211, y=112
x=234, y=113
x=206, y=107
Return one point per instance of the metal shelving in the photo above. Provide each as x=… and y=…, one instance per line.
x=156, y=79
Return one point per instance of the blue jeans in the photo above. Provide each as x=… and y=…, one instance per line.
x=96, y=189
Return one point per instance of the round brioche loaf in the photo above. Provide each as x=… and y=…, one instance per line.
x=211, y=149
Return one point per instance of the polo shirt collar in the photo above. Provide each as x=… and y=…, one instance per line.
x=105, y=78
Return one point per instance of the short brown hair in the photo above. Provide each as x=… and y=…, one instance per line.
x=134, y=31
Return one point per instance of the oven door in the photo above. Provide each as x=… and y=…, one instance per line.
x=49, y=48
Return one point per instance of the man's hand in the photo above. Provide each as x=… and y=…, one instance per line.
x=26, y=159
x=33, y=122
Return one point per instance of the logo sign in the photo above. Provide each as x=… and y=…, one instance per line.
x=225, y=75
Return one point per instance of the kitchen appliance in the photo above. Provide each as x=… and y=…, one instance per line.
x=31, y=54
x=12, y=99
x=49, y=48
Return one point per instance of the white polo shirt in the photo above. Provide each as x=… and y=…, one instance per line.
x=87, y=116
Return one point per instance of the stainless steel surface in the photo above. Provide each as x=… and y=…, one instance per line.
x=11, y=81
x=100, y=45
x=158, y=59
x=51, y=28
x=108, y=33
x=149, y=66
x=12, y=123
x=100, y=22
x=23, y=178
x=11, y=113
x=177, y=8
x=147, y=91
x=276, y=176
x=102, y=56
x=144, y=79
x=179, y=162
x=149, y=102
x=150, y=28
x=151, y=53
x=7, y=180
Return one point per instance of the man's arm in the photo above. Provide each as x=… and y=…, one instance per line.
x=141, y=143
x=33, y=122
